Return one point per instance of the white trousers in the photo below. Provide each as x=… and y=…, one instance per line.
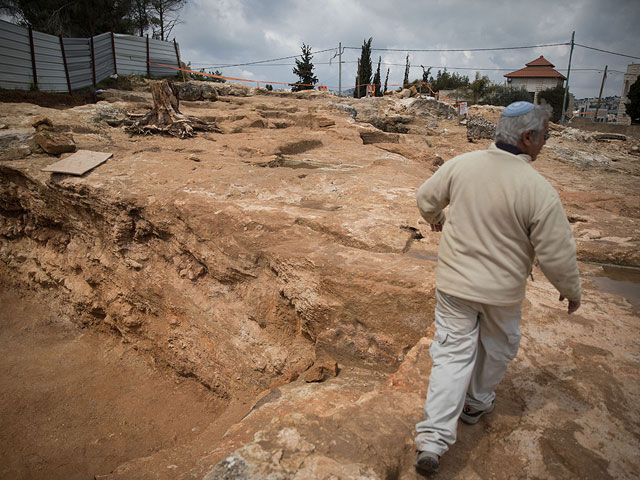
x=472, y=348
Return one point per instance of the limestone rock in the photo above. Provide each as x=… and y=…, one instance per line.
x=232, y=89
x=112, y=116
x=112, y=96
x=16, y=143
x=41, y=123
x=300, y=146
x=478, y=128
x=577, y=135
x=55, y=143
x=195, y=91
x=431, y=108
x=379, y=137
x=294, y=431
x=609, y=136
x=321, y=372
x=345, y=108
x=325, y=122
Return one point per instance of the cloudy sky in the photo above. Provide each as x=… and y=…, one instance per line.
x=216, y=34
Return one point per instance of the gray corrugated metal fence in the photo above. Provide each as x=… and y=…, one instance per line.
x=17, y=64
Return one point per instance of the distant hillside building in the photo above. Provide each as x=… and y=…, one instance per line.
x=538, y=75
x=633, y=71
x=587, y=107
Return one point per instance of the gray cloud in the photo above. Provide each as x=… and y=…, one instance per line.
x=219, y=32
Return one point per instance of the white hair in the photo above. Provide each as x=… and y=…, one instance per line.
x=510, y=129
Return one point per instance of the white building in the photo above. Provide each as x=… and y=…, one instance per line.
x=633, y=71
x=538, y=75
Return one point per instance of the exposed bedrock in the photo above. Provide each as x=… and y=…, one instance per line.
x=231, y=302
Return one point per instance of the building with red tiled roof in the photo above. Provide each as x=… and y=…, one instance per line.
x=536, y=76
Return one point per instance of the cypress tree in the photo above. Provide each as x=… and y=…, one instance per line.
x=386, y=81
x=407, y=66
x=304, y=70
x=364, y=70
x=377, y=80
x=425, y=77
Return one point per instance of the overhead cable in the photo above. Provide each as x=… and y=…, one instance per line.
x=460, y=49
x=481, y=69
x=270, y=60
x=606, y=51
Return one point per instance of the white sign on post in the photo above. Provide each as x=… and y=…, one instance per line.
x=463, y=108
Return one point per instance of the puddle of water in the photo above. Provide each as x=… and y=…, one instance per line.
x=621, y=281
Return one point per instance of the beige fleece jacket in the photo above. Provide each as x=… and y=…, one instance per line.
x=502, y=213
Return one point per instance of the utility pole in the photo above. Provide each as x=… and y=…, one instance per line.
x=604, y=77
x=566, y=89
x=339, y=69
x=358, y=81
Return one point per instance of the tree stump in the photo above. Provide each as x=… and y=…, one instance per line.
x=165, y=118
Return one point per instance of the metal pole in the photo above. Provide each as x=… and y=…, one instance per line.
x=340, y=69
x=93, y=62
x=113, y=49
x=175, y=44
x=66, y=67
x=149, y=60
x=358, y=81
x=33, y=58
x=566, y=89
x=604, y=76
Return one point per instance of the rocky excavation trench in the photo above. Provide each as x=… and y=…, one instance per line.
x=278, y=274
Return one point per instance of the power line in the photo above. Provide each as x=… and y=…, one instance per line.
x=266, y=61
x=606, y=51
x=482, y=69
x=460, y=49
x=259, y=62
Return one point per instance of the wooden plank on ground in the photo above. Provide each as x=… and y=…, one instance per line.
x=79, y=163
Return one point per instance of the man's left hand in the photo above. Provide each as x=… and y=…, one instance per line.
x=573, y=305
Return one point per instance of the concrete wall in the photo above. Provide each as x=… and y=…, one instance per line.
x=535, y=84
x=633, y=71
x=588, y=125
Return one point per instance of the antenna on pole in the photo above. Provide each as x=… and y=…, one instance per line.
x=566, y=89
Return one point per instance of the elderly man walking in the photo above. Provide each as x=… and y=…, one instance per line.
x=502, y=213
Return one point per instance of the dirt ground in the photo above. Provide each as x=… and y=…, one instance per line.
x=44, y=99
x=160, y=313
x=76, y=403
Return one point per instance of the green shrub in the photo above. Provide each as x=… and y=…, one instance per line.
x=502, y=95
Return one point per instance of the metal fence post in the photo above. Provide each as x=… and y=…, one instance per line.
x=113, y=49
x=148, y=59
x=33, y=58
x=175, y=44
x=66, y=67
x=93, y=63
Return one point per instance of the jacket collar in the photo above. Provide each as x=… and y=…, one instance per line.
x=510, y=149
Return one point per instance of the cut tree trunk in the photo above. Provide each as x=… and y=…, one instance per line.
x=166, y=117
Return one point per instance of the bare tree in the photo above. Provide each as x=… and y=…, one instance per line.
x=140, y=15
x=164, y=17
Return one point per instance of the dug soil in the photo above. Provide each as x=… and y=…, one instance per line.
x=45, y=99
x=77, y=403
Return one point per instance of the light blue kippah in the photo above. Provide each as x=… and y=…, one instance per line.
x=517, y=108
